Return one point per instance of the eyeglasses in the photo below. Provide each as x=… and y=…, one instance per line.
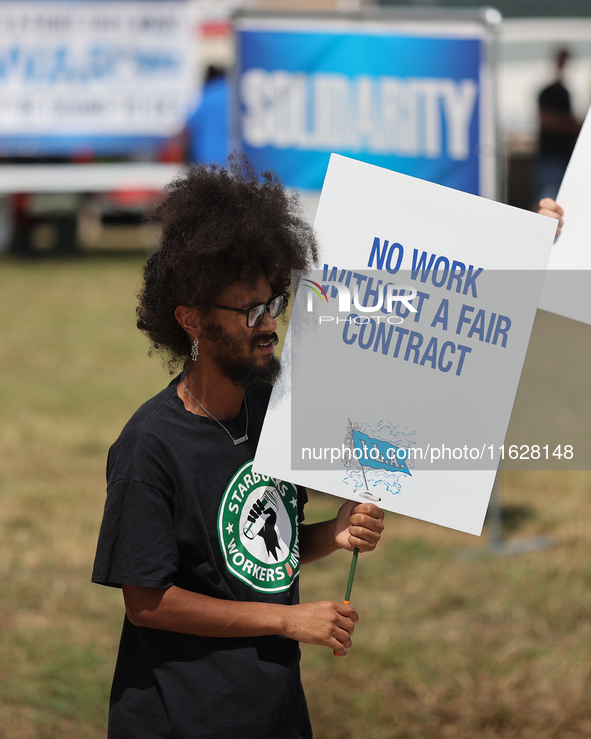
x=255, y=315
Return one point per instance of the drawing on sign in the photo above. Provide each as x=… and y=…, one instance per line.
x=380, y=458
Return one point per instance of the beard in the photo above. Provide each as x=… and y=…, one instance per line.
x=242, y=371
x=247, y=374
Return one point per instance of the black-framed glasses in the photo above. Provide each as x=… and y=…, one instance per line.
x=255, y=315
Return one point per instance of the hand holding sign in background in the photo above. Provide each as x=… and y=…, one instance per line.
x=568, y=282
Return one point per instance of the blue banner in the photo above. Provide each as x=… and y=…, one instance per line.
x=404, y=102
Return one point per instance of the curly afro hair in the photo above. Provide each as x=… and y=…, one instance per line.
x=220, y=225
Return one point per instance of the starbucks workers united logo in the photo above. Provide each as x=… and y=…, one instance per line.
x=258, y=530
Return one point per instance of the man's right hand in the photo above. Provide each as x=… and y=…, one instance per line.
x=326, y=623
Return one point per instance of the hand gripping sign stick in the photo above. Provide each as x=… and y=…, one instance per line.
x=350, y=582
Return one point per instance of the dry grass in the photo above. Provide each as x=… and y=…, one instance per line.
x=456, y=646
x=73, y=370
x=448, y=646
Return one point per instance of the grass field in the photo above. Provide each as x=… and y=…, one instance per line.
x=449, y=645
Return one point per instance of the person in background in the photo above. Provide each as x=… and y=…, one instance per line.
x=557, y=133
x=207, y=132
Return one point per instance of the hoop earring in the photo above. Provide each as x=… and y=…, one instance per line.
x=195, y=349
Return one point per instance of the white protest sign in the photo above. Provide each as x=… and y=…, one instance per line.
x=567, y=287
x=382, y=403
x=94, y=68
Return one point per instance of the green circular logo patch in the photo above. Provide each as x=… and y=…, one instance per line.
x=258, y=530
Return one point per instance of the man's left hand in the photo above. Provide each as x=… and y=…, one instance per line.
x=359, y=525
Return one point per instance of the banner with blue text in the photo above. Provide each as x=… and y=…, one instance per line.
x=103, y=77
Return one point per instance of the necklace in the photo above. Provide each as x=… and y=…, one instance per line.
x=236, y=441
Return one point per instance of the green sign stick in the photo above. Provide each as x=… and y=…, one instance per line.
x=350, y=582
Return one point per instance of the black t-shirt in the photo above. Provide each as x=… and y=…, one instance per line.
x=556, y=98
x=184, y=508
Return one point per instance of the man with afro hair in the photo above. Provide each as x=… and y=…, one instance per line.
x=207, y=551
